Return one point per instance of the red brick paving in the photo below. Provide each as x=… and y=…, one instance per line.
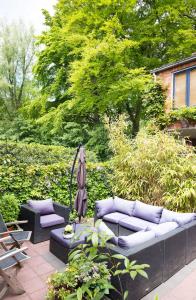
x=34, y=274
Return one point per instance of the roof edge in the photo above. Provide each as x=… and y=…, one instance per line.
x=180, y=62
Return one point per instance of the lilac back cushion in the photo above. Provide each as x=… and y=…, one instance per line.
x=104, y=230
x=124, y=206
x=180, y=218
x=135, y=239
x=44, y=207
x=147, y=212
x=104, y=207
x=163, y=228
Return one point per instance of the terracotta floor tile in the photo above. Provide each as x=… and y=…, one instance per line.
x=42, y=249
x=26, y=273
x=36, y=261
x=39, y=295
x=33, y=285
x=32, y=252
x=44, y=269
x=17, y=297
x=44, y=277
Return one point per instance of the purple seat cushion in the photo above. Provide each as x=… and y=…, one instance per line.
x=180, y=218
x=136, y=224
x=114, y=217
x=163, y=228
x=135, y=239
x=147, y=212
x=44, y=207
x=104, y=207
x=105, y=231
x=124, y=206
x=57, y=235
x=51, y=220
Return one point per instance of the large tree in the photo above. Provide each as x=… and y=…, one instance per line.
x=94, y=53
x=16, y=58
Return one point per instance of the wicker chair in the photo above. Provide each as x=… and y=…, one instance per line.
x=40, y=231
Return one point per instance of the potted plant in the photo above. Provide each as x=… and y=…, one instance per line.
x=68, y=232
x=89, y=270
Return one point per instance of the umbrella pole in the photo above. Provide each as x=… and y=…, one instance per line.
x=71, y=178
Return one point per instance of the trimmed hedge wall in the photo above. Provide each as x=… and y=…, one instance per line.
x=33, y=171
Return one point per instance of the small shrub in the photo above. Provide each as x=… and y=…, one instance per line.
x=9, y=207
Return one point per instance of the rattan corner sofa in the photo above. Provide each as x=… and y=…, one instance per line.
x=167, y=249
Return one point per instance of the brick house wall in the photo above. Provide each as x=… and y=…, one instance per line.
x=166, y=78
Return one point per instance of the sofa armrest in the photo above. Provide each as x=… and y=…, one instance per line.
x=31, y=215
x=62, y=211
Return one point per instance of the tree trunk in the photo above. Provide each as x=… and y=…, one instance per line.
x=134, y=116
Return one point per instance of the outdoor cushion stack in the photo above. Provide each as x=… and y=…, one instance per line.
x=143, y=220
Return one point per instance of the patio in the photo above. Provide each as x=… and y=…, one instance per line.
x=42, y=263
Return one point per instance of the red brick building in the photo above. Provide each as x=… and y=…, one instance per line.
x=179, y=80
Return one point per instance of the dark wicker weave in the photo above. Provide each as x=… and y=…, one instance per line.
x=190, y=241
x=40, y=234
x=59, y=250
x=166, y=255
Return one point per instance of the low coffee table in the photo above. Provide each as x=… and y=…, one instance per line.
x=60, y=247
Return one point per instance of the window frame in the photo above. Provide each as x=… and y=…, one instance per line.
x=187, y=94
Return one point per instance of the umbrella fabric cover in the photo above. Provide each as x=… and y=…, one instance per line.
x=81, y=196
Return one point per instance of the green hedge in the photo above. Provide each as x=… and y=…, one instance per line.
x=38, y=171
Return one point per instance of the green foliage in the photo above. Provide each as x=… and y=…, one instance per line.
x=16, y=58
x=9, y=207
x=153, y=103
x=70, y=134
x=87, y=275
x=187, y=113
x=39, y=171
x=154, y=167
x=95, y=52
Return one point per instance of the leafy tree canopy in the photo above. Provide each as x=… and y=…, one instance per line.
x=16, y=58
x=93, y=54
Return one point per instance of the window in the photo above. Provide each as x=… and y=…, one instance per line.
x=184, y=88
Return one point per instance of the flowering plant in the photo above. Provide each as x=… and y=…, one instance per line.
x=68, y=229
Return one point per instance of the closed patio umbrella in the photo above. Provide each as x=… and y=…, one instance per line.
x=81, y=196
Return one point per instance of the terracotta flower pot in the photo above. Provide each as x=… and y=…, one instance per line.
x=175, y=125
x=192, y=123
x=11, y=228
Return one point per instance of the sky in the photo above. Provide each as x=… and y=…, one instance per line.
x=27, y=10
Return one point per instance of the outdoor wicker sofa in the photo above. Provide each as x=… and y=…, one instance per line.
x=165, y=249
x=43, y=216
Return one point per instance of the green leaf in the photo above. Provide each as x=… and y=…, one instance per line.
x=142, y=273
x=94, y=239
x=133, y=274
x=118, y=256
x=125, y=295
x=73, y=254
x=79, y=294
